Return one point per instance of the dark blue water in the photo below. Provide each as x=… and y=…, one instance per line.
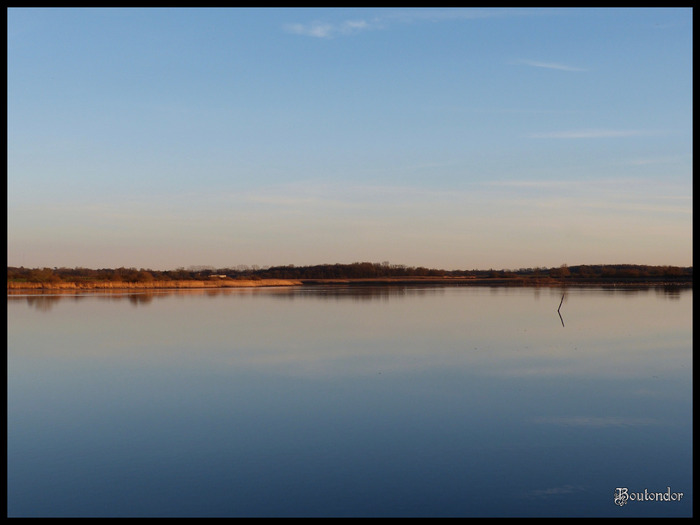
x=350, y=402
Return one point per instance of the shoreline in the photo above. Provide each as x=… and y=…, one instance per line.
x=406, y=281
x=151, y=285
x=500, y=281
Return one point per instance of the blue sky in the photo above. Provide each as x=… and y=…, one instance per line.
x=447, y=138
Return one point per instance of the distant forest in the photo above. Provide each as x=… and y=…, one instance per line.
x=357, y=270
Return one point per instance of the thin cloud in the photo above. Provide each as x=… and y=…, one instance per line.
x=549, y=65
x=611, y=421
x=327, y=30
x=593, y=134
x=554, y=491
x=565, y=184
x=540, y=184
x=436, y=15
x=653, y=161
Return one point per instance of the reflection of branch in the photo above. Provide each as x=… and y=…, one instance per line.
x=560, y=303
x=43, y=303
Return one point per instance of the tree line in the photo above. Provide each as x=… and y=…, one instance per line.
x=357, y=270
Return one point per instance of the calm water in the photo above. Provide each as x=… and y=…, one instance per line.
x=452, y=401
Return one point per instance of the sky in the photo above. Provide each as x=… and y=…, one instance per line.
x=445, y=138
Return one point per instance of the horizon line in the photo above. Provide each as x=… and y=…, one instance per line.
x=255, y=267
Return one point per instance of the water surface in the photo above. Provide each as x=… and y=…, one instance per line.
x=349, y=401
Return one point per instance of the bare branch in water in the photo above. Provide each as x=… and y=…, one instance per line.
x=558, y=309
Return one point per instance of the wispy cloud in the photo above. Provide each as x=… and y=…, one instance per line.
x=573, y=184
x=554, y=491
x=549, y=65
x=319, y=29
x=649, y=161
x=436, y=15
x=538, y=184
x=383, y=19
x=587, y=421
x=593, y=134
x=609, y=196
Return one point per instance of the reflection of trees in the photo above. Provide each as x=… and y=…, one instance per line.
x=43, y=303
x=356, y=293
x=672, y=292
x=625, y=290
x=140, y=298
x=46, y=299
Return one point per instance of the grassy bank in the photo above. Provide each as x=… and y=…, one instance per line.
x=121, y=285
x=400, y=281
x=366, y=273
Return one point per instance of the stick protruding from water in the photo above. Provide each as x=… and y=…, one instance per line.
x=558, y=309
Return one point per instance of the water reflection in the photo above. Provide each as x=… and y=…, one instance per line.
x=359, y=293
x=45, y=300
x=349, y=401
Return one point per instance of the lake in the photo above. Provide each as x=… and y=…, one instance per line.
x=351, y=401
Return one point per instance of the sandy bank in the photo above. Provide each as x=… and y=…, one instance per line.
x=118, y=285
x=258, y=283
